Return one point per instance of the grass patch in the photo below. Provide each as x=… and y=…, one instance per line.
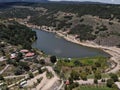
x=88, y=65
x=92, y=88
x=49, y=75
x=84, y=61
x=103, y=76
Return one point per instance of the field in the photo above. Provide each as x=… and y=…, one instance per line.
x=92, y=88
x=80, y=65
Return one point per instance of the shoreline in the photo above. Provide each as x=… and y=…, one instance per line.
x=113, y=51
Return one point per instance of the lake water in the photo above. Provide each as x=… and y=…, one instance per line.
x=54, y=45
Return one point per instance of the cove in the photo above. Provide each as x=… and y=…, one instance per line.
x=58, y=46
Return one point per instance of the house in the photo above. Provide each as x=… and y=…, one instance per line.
x=13, y=56
x=24, y=51
x=67, y=82
x=29, y=54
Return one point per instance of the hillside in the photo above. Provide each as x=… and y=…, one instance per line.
x=13, y=33
x=99, y=23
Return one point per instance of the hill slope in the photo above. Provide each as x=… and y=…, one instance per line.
x=99, y=23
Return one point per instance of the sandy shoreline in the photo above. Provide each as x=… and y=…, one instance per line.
x=113, y=51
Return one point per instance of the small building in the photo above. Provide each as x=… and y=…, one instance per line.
x=29, y=54
x=24, y=51
x=67, y=82
x=13, y=56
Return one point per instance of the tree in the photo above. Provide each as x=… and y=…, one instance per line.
x=9, y=61
x=114, y=77
x=97, y=64
x=24, y=65
x=83, y=75
x=95, y=81
x=66, y=87
x=115, y=87
x=18, y=70
x=75, y=75
x=19, y=56
x=110, y=82
x=42, y=61
x=31, y=75
x=70, y=80
x=97, y=74
x=39, y=70
x=3, y=52
x=53, y=59
x=77, y=63
x=1, y=77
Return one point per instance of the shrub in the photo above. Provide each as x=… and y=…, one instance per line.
x=110, y=82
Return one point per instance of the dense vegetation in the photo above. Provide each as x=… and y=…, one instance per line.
x=103, y=11
x=93, y=88
x=84, y=32
x=102, y=28
x=16, y=34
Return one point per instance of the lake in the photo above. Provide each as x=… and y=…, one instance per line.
x=58, y=46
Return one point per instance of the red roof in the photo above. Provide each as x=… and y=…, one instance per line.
x=30, y=54
x=67, y=82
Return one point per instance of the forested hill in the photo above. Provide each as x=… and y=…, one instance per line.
x=16, y=34
x=99, y=23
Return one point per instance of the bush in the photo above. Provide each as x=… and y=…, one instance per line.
x=98, y=75
x=49, y=75
x=114, y=77
x=95, y=81
x=42, y=61
x=1, y=77
x=53, y=59
x=18, y=70
x=75, y=75
x=83, y=75
x=109, y=83
x=39, y=80
x=40, y=71
x=31, y=75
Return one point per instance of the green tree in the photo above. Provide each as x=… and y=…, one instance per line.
x=31, y=75
x=53, y=59
x=1, y=77
x=19, y=56
x=114, y=77
x=83, y=75
x=18, y=70
x=75, y=75
x=40, y=70
x=42, y=61
x=66, y=87
x=95, y=81
x=70, y=80
x=110, y=82
x=115, y=87
x=24, y=65
x=97, y=74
